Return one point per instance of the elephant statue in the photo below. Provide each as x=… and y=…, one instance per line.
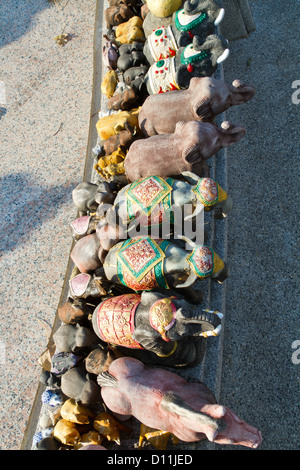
x=186, y=149
x=110, y=54
x=132, y=204
x=163, y=400
x=171, y=329
x=116, y=15
x=87, y=196
x=203, y=100
x=200, y=21
x=143, y=263
x=131, y=55
x=198, y=59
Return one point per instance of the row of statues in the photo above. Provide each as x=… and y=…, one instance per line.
x=134, y=316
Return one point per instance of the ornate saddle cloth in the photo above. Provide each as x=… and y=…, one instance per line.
x=162, y=76
x=162, y=43
x=209, y=192
x=139, y=263
x=115, y=320
x=151, y=198
x=204, y=261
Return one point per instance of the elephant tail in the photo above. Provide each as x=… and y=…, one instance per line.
x=105, y=379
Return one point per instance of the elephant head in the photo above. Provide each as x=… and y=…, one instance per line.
x=213, y=97
x=203, y=262
x=200, y=58
x=181, y=318
x=201, y=140
x=210, y=193
x=214, y=8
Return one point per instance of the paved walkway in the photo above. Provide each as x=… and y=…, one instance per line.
x=44, y=128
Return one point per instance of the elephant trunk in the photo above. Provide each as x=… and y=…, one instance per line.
x=201, y=322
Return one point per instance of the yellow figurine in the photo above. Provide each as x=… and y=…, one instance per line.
x=132, y=30
x=109, y=83
x=108, y=126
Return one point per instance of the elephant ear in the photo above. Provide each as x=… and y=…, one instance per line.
x=191, y=154
x=202, y=108
x=183, y=76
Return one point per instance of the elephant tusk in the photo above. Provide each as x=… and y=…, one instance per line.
x=220, y=17
x=199, y=208
x=223, y=57
x=187, y=240
x=216, y=312
x=214, y=332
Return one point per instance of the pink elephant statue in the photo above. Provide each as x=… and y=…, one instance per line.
x=163, y=400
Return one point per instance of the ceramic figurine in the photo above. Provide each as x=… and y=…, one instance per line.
x=123, y=139
x=163, y=8
x=87, y=196
x=84, y=253
x=52, y=397
x=198, y=59
x=39, y=436
x=78, y=384
x=129, y=32
x=90, y=439
x=63, y=361
x=204, y=99
x=146, y=264
x=109, y=427
x=83, y=286
x=125, y=100
x=164, y=41
x=111, y=165
x=73, y=312
x=109, y=83
x=131, y=55
x=66, y=432
x=150, y=202
x=74, y=338
x=161, y=399
x=48, y=443
x=166, y=326
x=116, y=15
x=110, y=54
x=186, y=149
x=76, y=412
x=108, y=126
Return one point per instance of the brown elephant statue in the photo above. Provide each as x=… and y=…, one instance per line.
x=186, y=149
x=203, y=100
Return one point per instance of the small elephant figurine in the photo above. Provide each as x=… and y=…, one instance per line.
x=203, y=100
x=116, y=15
x=131, y=55
x=125, y=100
x=198, y=59
x=201, y=21
x=152, y=322
x=163, y=400
x=110, y=54
x=186, y=149
x=129, y=32
x=87, y=196
x=112, y=124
